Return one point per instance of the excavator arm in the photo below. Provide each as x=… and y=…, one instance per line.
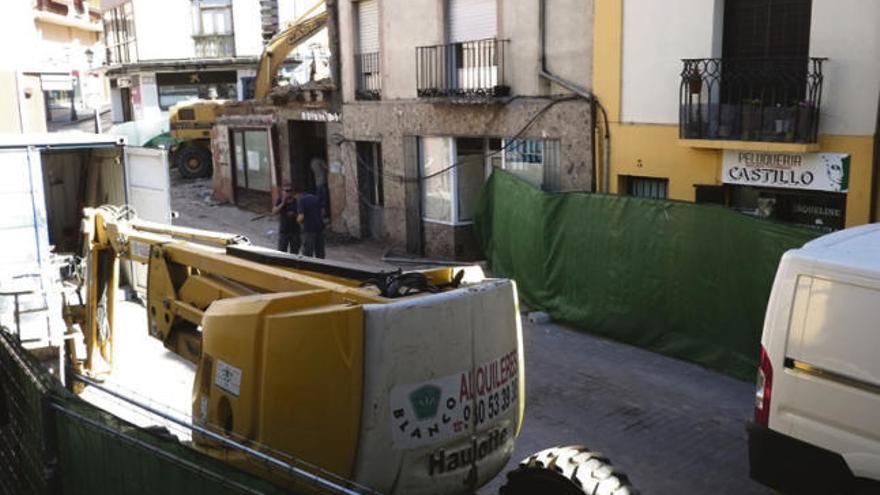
x=283, y=43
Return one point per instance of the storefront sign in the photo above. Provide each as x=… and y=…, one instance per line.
x=123, y=82
x=56, y=82
x=319, y=116
x=810, y=171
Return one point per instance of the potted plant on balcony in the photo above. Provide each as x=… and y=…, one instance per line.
x=751, y=119
x=694, y=81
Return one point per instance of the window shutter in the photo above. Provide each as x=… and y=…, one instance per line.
x=368, y=26
x=470, y=20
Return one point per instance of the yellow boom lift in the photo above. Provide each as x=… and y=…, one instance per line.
x=190, y=122
x=403, y=382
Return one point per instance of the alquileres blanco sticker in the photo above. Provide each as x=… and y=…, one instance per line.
x=430, y=412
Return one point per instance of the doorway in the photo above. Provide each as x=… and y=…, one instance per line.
x=371, y=192
x=308, y=142
x=768, y=43
x=125, y=96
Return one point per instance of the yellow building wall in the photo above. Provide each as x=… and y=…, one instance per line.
x=652, y=150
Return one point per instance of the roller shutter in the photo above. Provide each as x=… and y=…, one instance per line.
x=368, y=26
x=471, y=20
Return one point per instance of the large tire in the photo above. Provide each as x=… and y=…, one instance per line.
x=572, y=470
x=193, y=162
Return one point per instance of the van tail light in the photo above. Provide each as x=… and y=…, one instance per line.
x=763, y=389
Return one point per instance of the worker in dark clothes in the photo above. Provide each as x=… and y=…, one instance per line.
x=310, y=216
x=288, y=227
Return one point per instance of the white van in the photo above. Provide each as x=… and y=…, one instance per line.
x=817, y=407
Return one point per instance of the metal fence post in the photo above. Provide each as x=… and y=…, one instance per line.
x=51, y=464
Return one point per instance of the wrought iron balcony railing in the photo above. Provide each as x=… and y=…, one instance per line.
x=467, y=69
x=751, y=100
x=368, y=82
x=214, y=45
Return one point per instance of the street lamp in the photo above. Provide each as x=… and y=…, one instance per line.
x=90, y=58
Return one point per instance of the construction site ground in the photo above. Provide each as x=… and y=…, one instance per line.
x=191, y=199
x=673, y=427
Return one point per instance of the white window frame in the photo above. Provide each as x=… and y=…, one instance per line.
x=454, y=183
x=453, y=156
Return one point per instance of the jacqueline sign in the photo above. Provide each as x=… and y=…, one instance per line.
x=813, y=171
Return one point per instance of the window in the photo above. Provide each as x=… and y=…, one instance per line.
x=175, y=87
x=644, y=187
x=368, y=84
x=469, y=20
x=212, y=28
x=119, y=35
x=535, y=161
x=435, y=155
x=253, y=164
x=453, y=171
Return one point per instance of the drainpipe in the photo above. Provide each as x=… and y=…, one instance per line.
x=580, y=91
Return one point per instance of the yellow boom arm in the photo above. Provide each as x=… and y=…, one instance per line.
x=282, y=44
x=189, y=269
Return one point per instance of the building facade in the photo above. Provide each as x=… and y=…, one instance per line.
x=769, y=107
x=69, y=48
x=437, y=92
x=51, y=48
x=260, y=144
x=158, y=53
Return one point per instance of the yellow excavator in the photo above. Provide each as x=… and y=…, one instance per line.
x=190, y=122
x=397, y=381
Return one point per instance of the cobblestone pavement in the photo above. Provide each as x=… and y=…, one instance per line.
x=673, y=427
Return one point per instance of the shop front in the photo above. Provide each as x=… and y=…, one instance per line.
x=806, y=189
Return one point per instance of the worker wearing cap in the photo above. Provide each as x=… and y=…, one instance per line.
x=288, y=227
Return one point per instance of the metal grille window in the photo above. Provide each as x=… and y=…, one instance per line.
x=646, y=187
x=212, y=28
x=535, y=161
x=119, y=36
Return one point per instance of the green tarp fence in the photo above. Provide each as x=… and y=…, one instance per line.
x=52, y=440
x=690, y=281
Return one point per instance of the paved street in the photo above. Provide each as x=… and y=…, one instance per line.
x=671, y=426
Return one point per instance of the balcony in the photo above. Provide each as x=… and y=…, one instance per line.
x=769, y=100
x=471, y=69
x=368, y=84
x=214, y=45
